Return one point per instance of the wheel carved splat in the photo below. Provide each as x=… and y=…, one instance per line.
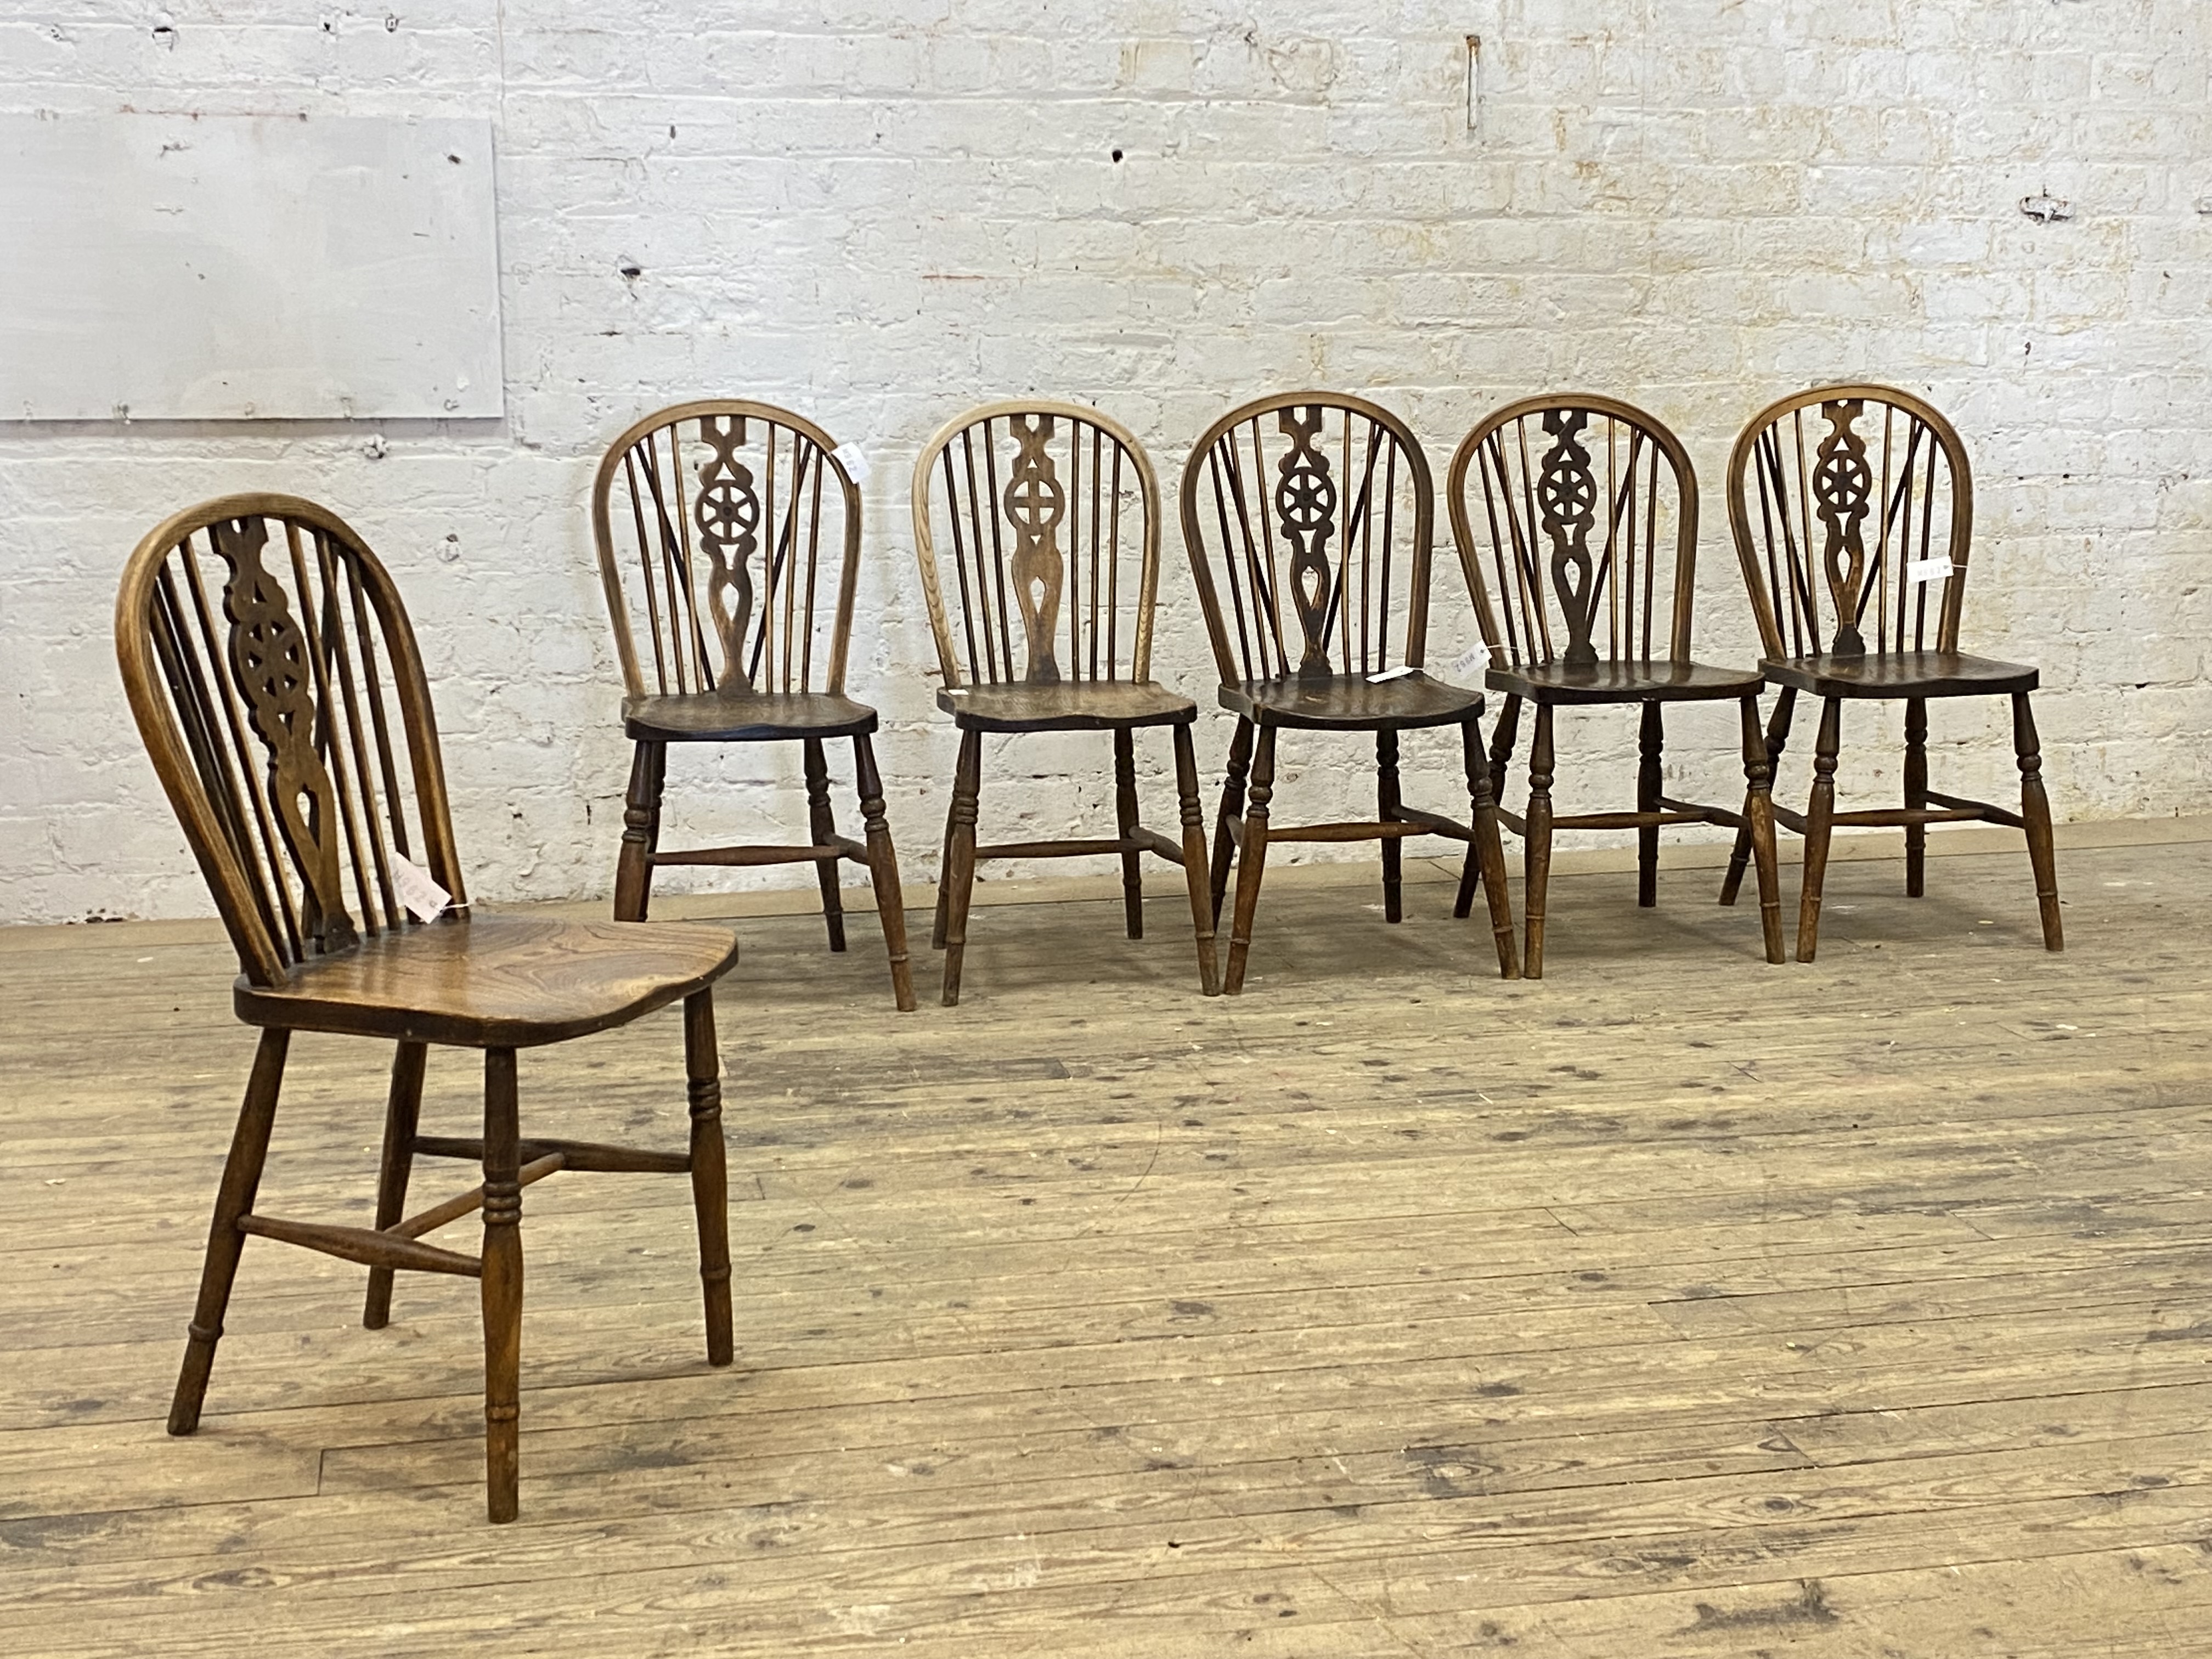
x=727, y=511
x=269, y=662
x=1035, y=504
x=1305, y=502
x=1842, y=483
x=1566, y=498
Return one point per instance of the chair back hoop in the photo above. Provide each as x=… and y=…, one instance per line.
x=1847, y=504
x=708, y=517
x=1585, y=510
x=1315, y=511
x=997, y=488
x=274, y=678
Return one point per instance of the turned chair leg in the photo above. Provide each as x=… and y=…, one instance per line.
x=1197, y=878
x=1536, y=854
x=640, y=833
x=944, y=882
x=822, y=823
x=1232, y=808
x=1486, y=853
x=403, y=1112
x=960, y=865
x=1651, y=740
x=1501, y=759
x=1252, y=860
x=882, y=871
x=1820, y=826
x=1916, y=795
x=710, y=1185
x=2035, y=811
x=1387, y=803
x=501, y=1284
x=1778, y=736
x=1125, y=812
x=234, y=1198
x=1758, y=827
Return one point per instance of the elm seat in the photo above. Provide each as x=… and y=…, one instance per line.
x=493, y=981
x=1626, y=681
x=1352, y=702
x=1070, y=706
x=744, y=717
x=1902, y=674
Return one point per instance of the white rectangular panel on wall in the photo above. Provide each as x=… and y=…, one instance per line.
x=246, y=267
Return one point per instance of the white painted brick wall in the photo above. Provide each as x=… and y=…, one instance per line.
x=877, y=212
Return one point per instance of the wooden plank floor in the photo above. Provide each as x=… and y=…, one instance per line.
x=1676, y=1305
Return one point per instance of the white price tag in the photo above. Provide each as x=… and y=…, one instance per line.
x=425, y=899
x=1927, y=570
x=1468, y=660
x=856, y=462
x=1397, y=673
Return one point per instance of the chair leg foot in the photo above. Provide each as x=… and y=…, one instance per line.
x=1536, y=879
x=1777, y=737
x=1252, y=862
x=1485, y=854
x=1757, y=830
x=502, y=1286
x=1820, y=826
x=710, y=1185
x=241, y=1179
x=883, y=872
x=1197, y=877
x=822, y=825
x=1232, y=808
x=1501, y=759
x=402, y=1114
x=2035, y=813
x=648, y=771
x=960, y=874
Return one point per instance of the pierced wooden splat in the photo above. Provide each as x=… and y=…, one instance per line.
x=1842, y=482
x=727, y=509
x=268, y=657
x=1035, y=504
x=1566, y=497
x=1305, y=507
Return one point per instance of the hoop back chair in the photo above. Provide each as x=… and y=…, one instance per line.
x=1849, y=505
x=1033, y=636
x=1585, y=510
x=1313, y=513
x=729, y=538
x=276, y=681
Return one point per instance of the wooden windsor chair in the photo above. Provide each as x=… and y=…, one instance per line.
x=1047, y=638
x=1852, y=508
x=274, y=678
x=1307, y=642
x=1588, y=519
x=717, y=509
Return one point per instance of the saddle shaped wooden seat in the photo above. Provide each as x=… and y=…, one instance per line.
x=711, y=519
x=1313, y=513
x=275, y=677
x=1852, y=509
x=1585, y=511
x=1051, y=516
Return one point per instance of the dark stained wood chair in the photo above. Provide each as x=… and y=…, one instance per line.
x=1050, y=635
x=276, y=681
x=1317, y=511
x=1586, y=510
x=729, y=534
x=1853, y=512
